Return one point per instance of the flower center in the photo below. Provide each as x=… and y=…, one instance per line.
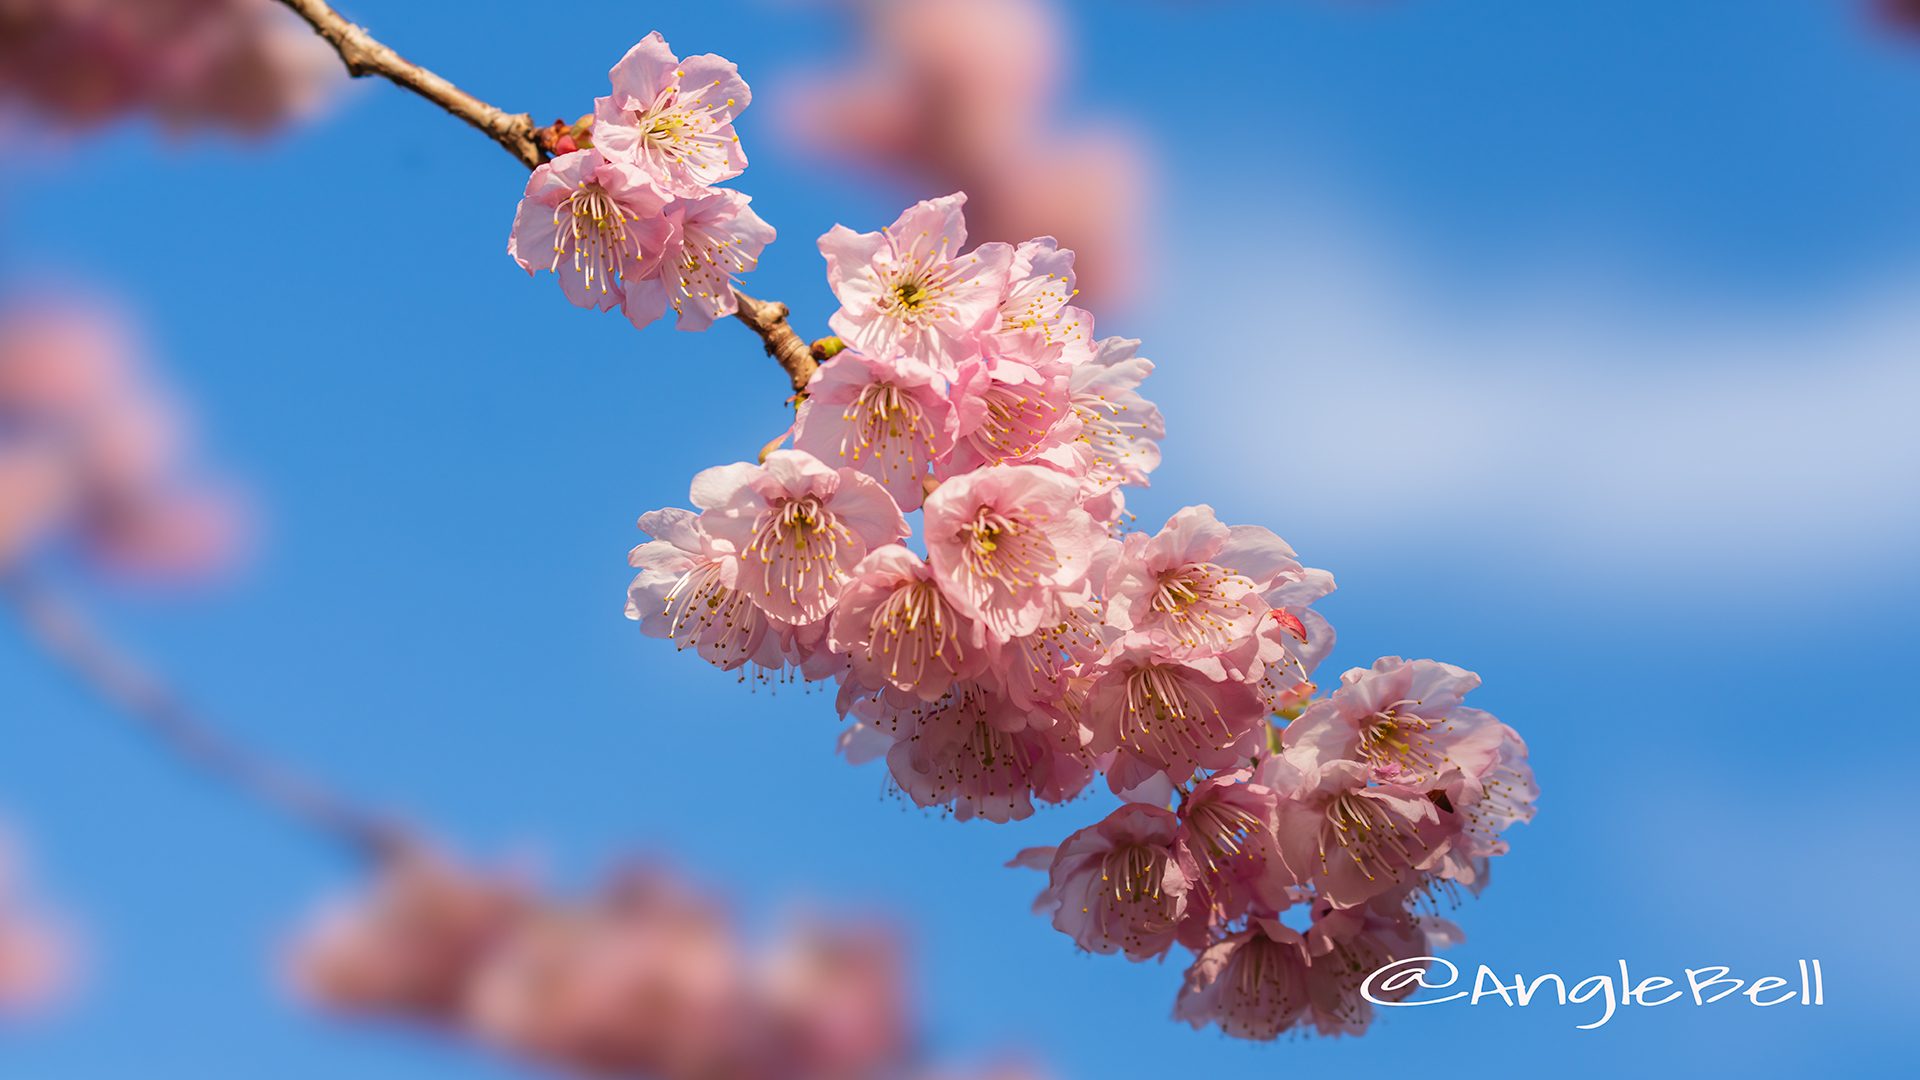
x=889, y=423
x=593, y=230
x=914, y=628
x=1002, y=549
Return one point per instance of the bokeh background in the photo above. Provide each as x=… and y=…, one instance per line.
x=1581, y=342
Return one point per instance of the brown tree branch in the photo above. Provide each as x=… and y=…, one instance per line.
x=67, y=638
x=364, y=55
x=769, y=320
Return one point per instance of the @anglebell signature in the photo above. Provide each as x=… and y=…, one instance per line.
x=1398, y=985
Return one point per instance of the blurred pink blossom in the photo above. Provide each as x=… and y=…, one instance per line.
x=243, y=65
x=36, y=955
x=644, y=977
x=962, y=95
x=90, y=449
x=411, y=945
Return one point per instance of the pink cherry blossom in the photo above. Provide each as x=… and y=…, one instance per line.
x=887, y=418
x=710, y=239
x=1346, y=945
x=1396, y=716
x=800, y=528
x=898, y=630
x=1253, y=984
x=1006, y=541
x=1197, y=581
x=595, y=223
x=976, y=753
x=1122, y=885
x=1122, y=428
x=1228, y=825
x=912, y=288
x=1007, y=411
x=1036, y=670
x=1406, y=721
x=1034, y=313
x=688, y=591
x=673, y=118
x=1170, y=714
x=1353, y=838
x=411, y=945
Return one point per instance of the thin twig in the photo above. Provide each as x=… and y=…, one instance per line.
x=66, y=637
x=365, y=55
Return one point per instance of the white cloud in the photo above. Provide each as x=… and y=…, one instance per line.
x=1554, y=423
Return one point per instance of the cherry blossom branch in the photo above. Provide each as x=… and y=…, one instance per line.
x=67, y=638
x=364, y=55
x=769, y=320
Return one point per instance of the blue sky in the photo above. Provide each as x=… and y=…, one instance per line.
x=1575, y=340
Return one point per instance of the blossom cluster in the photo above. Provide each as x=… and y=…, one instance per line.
x=1039, y=642
x=91, y=450
x=645, y=978
x=630, y=216
x=242, y=65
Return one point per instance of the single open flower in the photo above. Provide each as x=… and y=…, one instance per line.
x=672, y=118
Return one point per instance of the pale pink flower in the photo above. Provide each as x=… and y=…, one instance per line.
x=673, y=118
x=1346, y=945
x=1252, y=983
x=1122, y=885
x=1406, y=721
x=911, y=288
x=597, y=224
x=412, y=943
x=1006, y=542
x=1122, y=428
x=1007, y=411
x=1035, y=315
x=1197, y=581
x=1397, y=716
x=711, y=238
x=800, y=528
x=688, y=591
x=1293, y=639
x=1228, y=825
x=1355, y=839
x=898, y=630
x=1034, y=671
x=1169, y=713
x=887, y=418
x=975, y=752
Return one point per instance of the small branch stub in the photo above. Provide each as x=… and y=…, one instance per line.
x=769, y=320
